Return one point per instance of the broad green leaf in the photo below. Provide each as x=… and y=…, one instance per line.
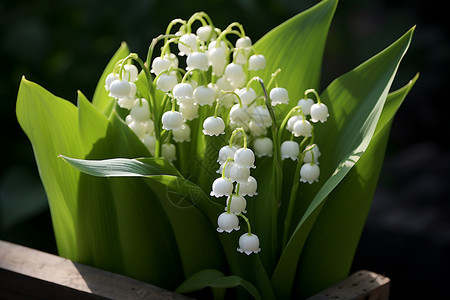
x=355, y=102
x=180, y=199
x=343, y=215
x=296, y=47
x=51, y=124
x=216, y=279
x=101, y=100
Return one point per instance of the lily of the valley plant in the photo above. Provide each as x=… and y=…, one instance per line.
x=216, y=164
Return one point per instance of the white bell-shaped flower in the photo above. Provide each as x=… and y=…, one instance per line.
x=290, y=149
x=227, y=222
x=239, y=115
x=109, y=79
x=256, y=62
x=309, y=173
x=138, y=128
x=159, y=65
x=257, y=129
x=236, y=75
x=224, y=85
x=169, y=152
x=149, y=126
x=237, y=204
x=150, y=142
x=222, y=45
x=197, y=60
x=263, y=146
x=244, y=42
x=308, y=155
x=319, y=112
x=302, y=128
x=306, y=104
x=228, y=167
x=226, y=152
x=213, y=126
x=183, y=92
x=172, y=120
x=244, y=157
x=182, y=134
x=217, y=56
x=189, y=111
x=248, y=188
x=222, y=187
x=239, y=173
x=279, y=95
x=204, y=95
x=140, y=110
x=261, y=115
x=248, y=244
x=291, y=121
x=242, y=50
x=247, y=95
x=130, y=73
x=119, y=88
x=166, y=82
x=205, y=33
x=126, y=102
x=187, y=44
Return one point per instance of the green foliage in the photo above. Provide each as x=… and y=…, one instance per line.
x=115, y=207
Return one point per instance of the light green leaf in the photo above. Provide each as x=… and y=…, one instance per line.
x=355, y=102
x=216, y=279
x=51, y=124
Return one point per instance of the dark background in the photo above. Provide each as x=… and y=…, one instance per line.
x=64, y=46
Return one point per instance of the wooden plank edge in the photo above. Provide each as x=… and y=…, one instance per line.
x=27, y=273
x=360, y=285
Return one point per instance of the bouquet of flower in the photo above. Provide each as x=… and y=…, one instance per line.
x=199, y=166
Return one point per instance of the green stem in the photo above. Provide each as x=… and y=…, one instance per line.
x=277, y=169
x=293, y=196
x=314, y=92
x=248, y=223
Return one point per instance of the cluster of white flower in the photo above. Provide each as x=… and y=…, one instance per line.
x=235, y=164
x=219, y=80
